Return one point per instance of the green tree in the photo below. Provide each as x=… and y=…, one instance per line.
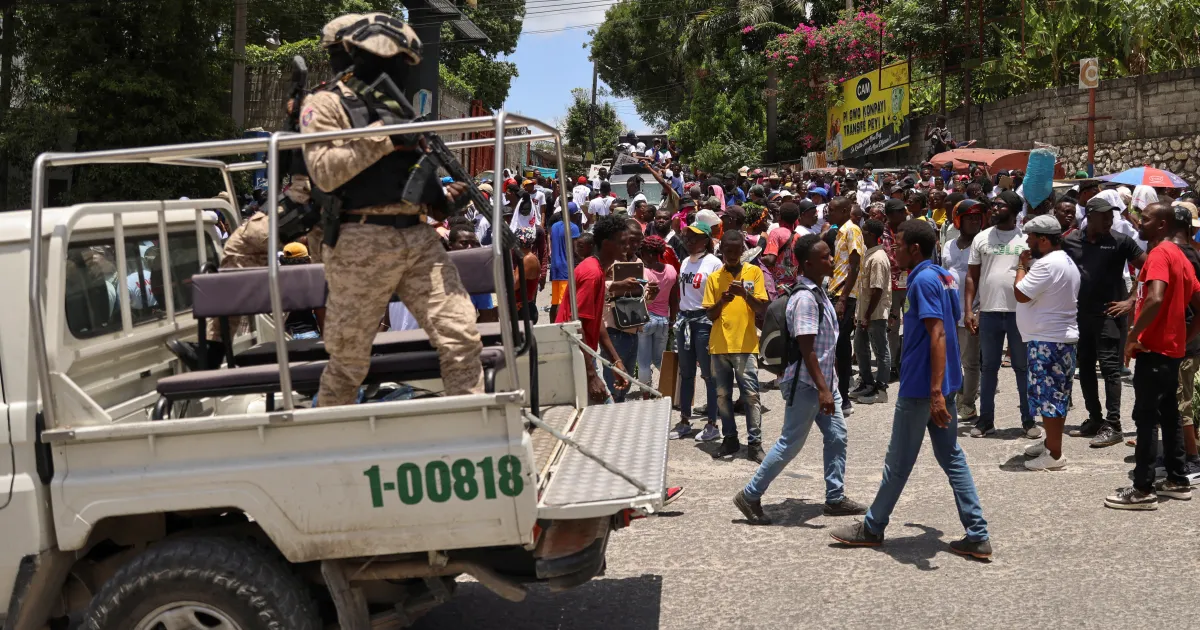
x=582, y=119
x=478, y=63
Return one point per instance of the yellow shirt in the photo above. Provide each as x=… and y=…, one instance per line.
x=734, y=331
x=849, y=240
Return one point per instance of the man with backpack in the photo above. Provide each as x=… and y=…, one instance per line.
x=804, y=339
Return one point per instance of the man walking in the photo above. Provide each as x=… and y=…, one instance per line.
x=991, y=272
x=929, y=372
x=847, y=255
x=809, y=386
x=1101, y=255
x=1046, y=289
x=875, y=297
x=1167, y=286
x=558, y=257
x=895, y=213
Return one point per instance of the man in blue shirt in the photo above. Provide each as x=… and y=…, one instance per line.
x=558, y=257
x=930, y=373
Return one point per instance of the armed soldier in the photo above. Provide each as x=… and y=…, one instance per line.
x=382, y=243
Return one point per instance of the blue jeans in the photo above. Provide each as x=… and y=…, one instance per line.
x=626, y=345
x=652, y=341
x=802, y=410
x=692, y=355
x=742, y=369
x=873, y=338
x=993, y=328
x=909, y=424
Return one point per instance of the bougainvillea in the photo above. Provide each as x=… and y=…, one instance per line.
x=812, y=61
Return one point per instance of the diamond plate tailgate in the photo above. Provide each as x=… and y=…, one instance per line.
x=631, y=437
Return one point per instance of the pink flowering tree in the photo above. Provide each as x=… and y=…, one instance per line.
x=812, y=61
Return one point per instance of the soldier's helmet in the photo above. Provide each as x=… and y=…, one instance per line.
x=384, y=36
x=334, y=31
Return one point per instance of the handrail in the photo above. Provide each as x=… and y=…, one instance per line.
x=201, y=154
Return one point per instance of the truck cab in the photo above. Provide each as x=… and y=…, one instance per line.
x=143, y=495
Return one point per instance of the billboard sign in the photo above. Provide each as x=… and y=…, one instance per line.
x=873, y=115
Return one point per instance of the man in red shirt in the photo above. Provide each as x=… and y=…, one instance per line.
x=609, y=235
x=1167, y=286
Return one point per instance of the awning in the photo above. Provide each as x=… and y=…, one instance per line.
x=994, y=159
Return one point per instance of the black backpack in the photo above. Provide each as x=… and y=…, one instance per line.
x=777, y=347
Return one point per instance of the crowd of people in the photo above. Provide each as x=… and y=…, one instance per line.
x=1095, y=276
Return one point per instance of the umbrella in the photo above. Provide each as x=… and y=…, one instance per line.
x=1147, y=176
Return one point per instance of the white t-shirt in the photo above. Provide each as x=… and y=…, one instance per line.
x=539, y=199
x=956, y=261
x=401, y=318
x=1052, y=284
x=600, y=206
x=692, y=276
x=579, y=195
x=519, y=220
x=996, y=253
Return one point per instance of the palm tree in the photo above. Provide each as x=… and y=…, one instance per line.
x=767, y=17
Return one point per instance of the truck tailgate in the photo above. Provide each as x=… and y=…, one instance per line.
x=631, y=437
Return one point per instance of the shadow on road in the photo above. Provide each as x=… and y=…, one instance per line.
x=792, y=513
x=631, y=604
x=964, y=431
x=914, y=550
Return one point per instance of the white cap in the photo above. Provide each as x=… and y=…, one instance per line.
x=786, y=193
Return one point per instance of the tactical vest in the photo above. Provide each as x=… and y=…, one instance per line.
x=383, y=182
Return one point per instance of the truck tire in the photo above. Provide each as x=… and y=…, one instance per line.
x=205, y=583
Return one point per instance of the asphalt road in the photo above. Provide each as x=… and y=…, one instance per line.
x=1062, y=560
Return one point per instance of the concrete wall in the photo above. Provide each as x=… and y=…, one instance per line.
x=1157, y=106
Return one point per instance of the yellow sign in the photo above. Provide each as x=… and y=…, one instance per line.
x=1089, y=73
x=873, y=116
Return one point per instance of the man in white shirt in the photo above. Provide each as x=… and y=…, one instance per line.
x=523, y=213
x=601, y=205
x=956, y=255
x=580, y=193
x=1046, y=290
x=991, y=272
x=536, y=197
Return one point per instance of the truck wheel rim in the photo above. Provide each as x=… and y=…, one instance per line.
x=187, y=616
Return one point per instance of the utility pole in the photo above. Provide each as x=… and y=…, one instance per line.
x=592, y=112
x=849, y=5
x=239, y=64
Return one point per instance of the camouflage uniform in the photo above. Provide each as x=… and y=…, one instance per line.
x=245, y=247
x=371, y=262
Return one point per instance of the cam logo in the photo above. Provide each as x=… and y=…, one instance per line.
x=863, y=89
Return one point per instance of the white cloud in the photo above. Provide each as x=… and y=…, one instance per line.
x=571, y=15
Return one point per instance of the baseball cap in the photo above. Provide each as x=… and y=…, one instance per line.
x=1185, y=210
x=744, y=171
x=819, y=191
x=1081, y=175
x=295, y=250
x=1099, y=204
x=581, y=180
x=1043, y=224
x=486, y=187
x=701, y=228
x=527, y=182
x=709, y=218
x=786, y=194
x=894, y=205
x=447, y=180
x=572, y=207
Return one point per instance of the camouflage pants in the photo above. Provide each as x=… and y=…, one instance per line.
x=1187, y=390
x=371, y=262
x=246, y=247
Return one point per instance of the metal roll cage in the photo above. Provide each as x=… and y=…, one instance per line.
x=203, y=154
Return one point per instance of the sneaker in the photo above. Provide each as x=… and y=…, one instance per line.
x=1131, y=498
x=1087, y=429
x=1106, y=436
x=856, y=534
x=1191, y=469
x=709, y=434
x=847, y=409
x=967, y=418
x=670, y=494
x=751, y=509
x=700, y=410
x=982, y=428
x=1172, y=490
x=754, y=452
x=1033, y=432
x=729, y=447
x=876, y=397
x=845, y=507
x=1046, y=461
x=681, y=430
x=863, y=389
x=1035, y=450
x=981, y=549
x=1126, y=373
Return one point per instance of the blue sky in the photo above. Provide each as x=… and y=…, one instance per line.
x=552, y=64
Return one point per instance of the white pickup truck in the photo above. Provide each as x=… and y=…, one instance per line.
x=137, y=496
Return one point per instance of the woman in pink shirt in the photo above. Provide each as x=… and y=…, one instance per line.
x=652, y=340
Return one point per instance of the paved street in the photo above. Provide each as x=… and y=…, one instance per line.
x=1062, y=559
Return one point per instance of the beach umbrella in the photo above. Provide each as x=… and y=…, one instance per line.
x=1147, y=176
